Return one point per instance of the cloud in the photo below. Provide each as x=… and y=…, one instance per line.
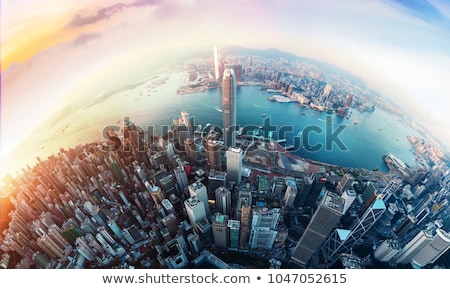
x=425, y=11
x=87, y=18
x=84, y=38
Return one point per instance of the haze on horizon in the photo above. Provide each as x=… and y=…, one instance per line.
x=55, y=53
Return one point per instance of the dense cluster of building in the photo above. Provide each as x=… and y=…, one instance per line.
x=288, y=80
x=182, y=199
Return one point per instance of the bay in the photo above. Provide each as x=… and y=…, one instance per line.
x=360, y=141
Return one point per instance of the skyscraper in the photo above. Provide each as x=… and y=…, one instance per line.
x=244, y=199
x=390, y=189
x=304, y=190
x=229, y=107
x=183, y=127
x=348, y=101
x=342, y=241
x=291, y=192
x=324, y=220
x=182, y=180
x=344, y=183
x=245, y=221
x=195, y=243
x=198, y=190
x=216, y=179
x=233, y=229
x=420, y=241
x=191, y=150
x=168, y=185
x=326, y=93
x=223, y=200
x=220, y=231
x=216, y=63
x=434, y=250
x=195, y=210
x=234, y=165
x=369, y=194
x=213, y=155
x=386, y=250
x=264, y=227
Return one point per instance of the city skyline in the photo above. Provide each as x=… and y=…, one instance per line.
x=119, y=203
x=399, y=49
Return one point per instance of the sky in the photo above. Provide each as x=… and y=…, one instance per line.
x=52, y=50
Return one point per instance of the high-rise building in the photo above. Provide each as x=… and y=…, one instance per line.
x=229, y=107
x=245, y=221
x=220, y=231
x=405, y=226
x=195, y=209
x=348, y=101
x=290, y=89
x=216, y=179
x=168, y=207
x=182, y=179
x=216, y=63
x=420, y=241
x=198, y=190
x=282, y=236
x=171, y=223
x=304, y=190
x=157, y=195
x=238, y=71
x=183, y=127
x=326, y=93
x=178, y=206
x=168, y=185
x=291, y=192
x=262, y=238
x=434, y=250
x=213, y=154
x=386, y=250
x=324, y=220
x=342, y=241
x=390, y=189
x=191, y=150
x=234, y=232
x=195, y=243
x=133, y=134
x=264, y=227
x=234, y=165
x=349, y=196
x=223, y=200
x=244, y=199
x=204, y=229
x=345, y=183
x=368, y=196
x=278, y=186
x=264, y=217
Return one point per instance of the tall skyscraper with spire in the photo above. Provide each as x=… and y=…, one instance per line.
x=216, y=63
x=229, y=107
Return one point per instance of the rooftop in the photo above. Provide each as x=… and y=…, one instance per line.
x=334, y=202
x=234, y=224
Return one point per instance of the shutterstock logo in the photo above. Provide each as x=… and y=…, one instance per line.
x=313, y=138
x=327, y=138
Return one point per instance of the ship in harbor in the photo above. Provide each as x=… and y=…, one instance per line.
x=280, y=98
